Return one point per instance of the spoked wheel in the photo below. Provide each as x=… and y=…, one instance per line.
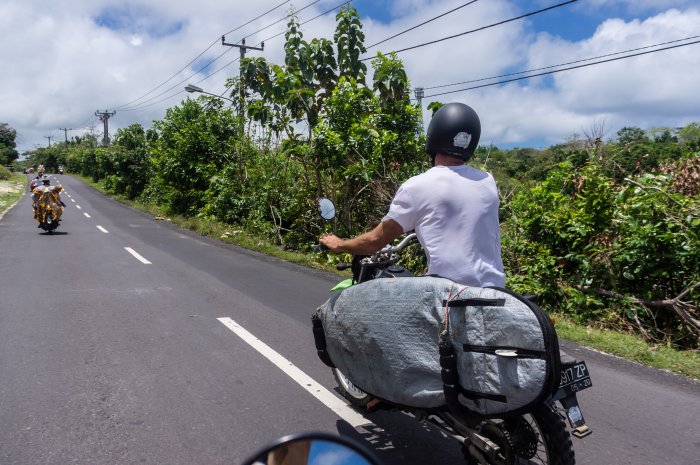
x=538, y=438
x=355, y=395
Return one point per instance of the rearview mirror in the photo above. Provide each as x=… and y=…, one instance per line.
x=326, y=208
x=313, y=449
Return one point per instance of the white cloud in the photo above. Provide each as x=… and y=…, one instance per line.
x=64, y=60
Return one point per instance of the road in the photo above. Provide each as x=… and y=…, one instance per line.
x=126, y=340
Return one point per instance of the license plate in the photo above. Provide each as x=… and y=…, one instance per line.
x=575, y=378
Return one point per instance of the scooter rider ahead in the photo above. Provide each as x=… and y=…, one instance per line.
x=47, y=198
x=452, y=207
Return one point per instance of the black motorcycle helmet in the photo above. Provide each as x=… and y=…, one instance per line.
x=46, y=180
x=454, y=130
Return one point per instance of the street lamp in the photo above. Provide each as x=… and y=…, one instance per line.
x=194, y=89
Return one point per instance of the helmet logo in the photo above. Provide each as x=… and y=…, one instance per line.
x=462, y=140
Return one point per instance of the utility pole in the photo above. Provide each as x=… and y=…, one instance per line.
x=419, y=92
x=65, y=132
x=243, y=48
x=49, y=138
x=104, y=117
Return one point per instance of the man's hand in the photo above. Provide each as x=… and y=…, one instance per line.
x=367, y=243
x=333, y=242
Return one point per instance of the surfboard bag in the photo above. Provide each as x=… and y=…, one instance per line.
x=498, y=353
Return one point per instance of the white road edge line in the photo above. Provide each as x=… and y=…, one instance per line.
x=315, y=389
x=78, y=207
x=137, y=256
x=86, y=215
x=102, y=229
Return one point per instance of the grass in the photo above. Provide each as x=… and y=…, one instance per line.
x=630, y=347
x=11, y=190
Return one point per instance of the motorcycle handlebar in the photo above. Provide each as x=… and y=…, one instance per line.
x=401, y=245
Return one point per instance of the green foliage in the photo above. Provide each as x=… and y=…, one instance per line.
x=434, y=106
x=349, y=39
x=127, y=166
x=689, y=137
x=192, y=146
x=8, y=137
x=5, y=173
x=365, y=148
x=598, y=250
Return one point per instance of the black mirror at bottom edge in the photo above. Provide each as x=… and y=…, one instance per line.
x=313, y=449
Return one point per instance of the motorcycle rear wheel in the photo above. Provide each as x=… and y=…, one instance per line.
x=352, y=393
x=550, y=445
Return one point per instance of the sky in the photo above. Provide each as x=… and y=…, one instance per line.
x=64, y=61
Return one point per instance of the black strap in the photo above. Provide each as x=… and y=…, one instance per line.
x=482, y=395
x=474, y=302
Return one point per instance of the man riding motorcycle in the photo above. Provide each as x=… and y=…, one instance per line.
x=452, y=207
x=47, y=199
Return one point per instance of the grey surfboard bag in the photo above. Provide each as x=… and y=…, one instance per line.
x=383, y=335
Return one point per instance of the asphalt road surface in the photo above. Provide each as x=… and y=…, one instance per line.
x=125, y=340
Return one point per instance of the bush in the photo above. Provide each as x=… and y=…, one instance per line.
x=5, y=173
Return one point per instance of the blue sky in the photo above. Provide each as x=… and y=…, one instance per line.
x=573, y=22
x=557, y=21
x=137, y=19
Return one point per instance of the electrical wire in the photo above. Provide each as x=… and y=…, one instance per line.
x=145, y=104
x=198, y=56
x=277, y=35
x=479, y=29
x=563, y=69
x=560, y=64
x=280, y=20
x=228, y=50
x=421, y=24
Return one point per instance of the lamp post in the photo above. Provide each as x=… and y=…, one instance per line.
x=194, y=89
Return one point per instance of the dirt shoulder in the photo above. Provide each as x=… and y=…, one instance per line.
x=11, y=190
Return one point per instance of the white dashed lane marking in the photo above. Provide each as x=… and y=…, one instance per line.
x=78, y=207
x=86, y=215
x=315, y=389
x=137, y=255
x=102, y=229
x=72, y=200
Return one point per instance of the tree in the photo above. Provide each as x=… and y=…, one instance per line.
x=131, y=166
x=689, y=137
x=191, y=148
x=8, y=137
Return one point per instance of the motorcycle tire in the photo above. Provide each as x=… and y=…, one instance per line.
x=356, y=396
x=540, y=438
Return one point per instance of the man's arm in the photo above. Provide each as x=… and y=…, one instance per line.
x=367, y=243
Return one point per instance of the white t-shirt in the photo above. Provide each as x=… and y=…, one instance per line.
x=454, y=211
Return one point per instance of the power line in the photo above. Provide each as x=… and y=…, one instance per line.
x=479, y=29
x=145, y=104
x=280, y=20
x=563, y=69
x=421, y=24
x=560, y=64
x=279, y=34
x=177, y=84
x=312, y=19
x=202, y=53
